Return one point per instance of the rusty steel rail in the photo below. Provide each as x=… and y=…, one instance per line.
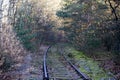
x=82, y=75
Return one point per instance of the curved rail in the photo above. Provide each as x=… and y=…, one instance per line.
x=45, y=71
x=83, y=76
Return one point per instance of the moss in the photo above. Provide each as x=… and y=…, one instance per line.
x=87, y=65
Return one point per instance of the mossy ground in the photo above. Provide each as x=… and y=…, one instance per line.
x=86, y=64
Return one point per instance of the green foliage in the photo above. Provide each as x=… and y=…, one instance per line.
x=75, y=30
x=63, y=14
x=31, y=27
x=23, y=27
x=85, y=24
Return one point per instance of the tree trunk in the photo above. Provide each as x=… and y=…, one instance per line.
x=8, y=40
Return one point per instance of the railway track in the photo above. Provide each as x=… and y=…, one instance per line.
x=57, y=67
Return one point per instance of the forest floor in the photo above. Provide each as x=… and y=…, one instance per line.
x=29, y=69
x=107, y=60
x=97, y=67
